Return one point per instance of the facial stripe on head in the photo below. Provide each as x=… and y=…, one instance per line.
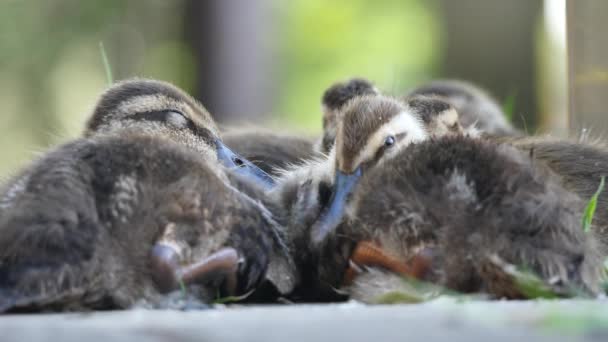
x=405, y=127
x=159, y=102
x=141, y=96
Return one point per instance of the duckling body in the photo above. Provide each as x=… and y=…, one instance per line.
x=463, y=206
x=81, y=232
x=146, y=201
x=580, y=166
x=314, y=192
x=473, y=207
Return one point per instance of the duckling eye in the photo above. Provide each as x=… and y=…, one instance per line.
x=389, y=141
x=176, y=119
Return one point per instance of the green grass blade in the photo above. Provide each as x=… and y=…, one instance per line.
x=232, y=299
x=183, y=288
x=400, y=297
x=413, y=291
x=508, y=107
x=106, y=64
x=590, y=208
x=531, y=286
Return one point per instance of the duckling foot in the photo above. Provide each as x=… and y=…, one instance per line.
x=169, y=274
x=368, y=254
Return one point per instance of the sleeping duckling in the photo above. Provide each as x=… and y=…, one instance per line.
x=141, y=206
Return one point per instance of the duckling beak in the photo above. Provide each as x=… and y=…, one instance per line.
x=242, y=166
x=344, y=185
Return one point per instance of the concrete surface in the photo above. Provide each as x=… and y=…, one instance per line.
x=441, y=319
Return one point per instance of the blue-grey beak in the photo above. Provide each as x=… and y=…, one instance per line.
x=344, y=185
x=242, y=166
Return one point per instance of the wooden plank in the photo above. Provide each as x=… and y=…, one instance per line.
x=587, y=66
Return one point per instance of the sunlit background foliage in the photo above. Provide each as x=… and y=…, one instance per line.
x=51, y=70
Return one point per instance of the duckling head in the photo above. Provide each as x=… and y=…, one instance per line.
x=150, y=107
x=440, y=118
x=332, y=102
x=374, y=128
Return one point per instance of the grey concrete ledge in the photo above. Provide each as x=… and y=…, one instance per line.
x=439, y=320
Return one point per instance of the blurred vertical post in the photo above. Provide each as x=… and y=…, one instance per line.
x=491, y=43
x=232, y=43
x=587, y=26
x=552, y=69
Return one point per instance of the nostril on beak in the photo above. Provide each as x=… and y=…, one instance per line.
x=238, y=162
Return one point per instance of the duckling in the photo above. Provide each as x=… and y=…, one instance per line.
x=305, y=192
x=373, y=128
x=407, y=122
x=135, y=209
x=454, y=210
x=271, y=152
x=580, y=166
x=474, y=105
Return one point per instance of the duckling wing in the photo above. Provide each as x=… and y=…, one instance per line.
x=48, y=240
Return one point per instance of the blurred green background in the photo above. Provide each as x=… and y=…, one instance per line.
x=266, y=61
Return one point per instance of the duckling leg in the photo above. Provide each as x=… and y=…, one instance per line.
x=367, y=253
x=169, y=273
x=223, y=264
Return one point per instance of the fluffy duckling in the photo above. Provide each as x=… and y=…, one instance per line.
x=373, y=128
x=136, y=209
x=454, y=210
x=321, y=187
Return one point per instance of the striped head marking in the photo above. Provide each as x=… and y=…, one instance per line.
x=373, y=126
x=153, y=108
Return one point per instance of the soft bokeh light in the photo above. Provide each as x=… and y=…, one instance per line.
x=51, y=71
x=394, y=43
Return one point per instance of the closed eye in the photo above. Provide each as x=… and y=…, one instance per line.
x=171, y=117
x=176, y=119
